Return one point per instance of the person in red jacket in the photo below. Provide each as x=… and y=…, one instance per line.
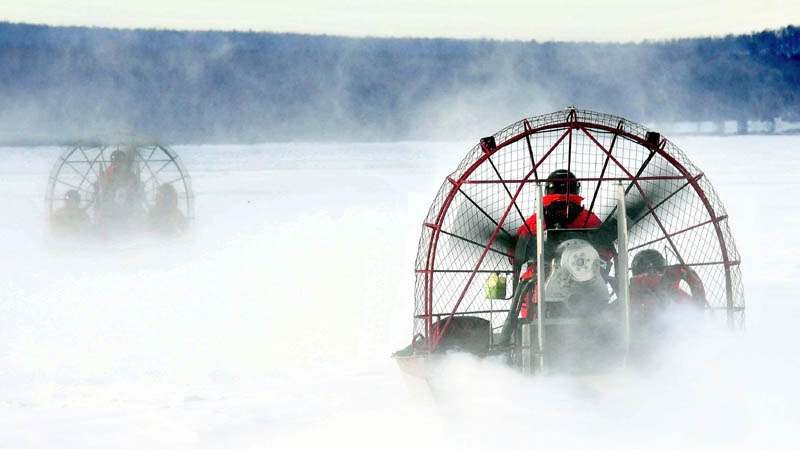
x=119, y=190
x=563, y=209
x=118, y=165
x=654, y=286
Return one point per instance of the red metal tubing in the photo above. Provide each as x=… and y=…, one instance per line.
x=517, y=181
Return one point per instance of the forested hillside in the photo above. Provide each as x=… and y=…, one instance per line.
x=61, y=83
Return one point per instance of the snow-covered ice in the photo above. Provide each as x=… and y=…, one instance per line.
x=272, y=323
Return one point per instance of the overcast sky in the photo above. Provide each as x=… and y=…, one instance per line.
x=620, y=20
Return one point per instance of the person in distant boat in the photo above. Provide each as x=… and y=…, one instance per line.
x=654, y=286
x=70, y=219
x=164, y=217
x=119, y=190
x=563, y=209
x=119, y=169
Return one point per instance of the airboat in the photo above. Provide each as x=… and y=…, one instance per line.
x=486, y=242
x=116, y=183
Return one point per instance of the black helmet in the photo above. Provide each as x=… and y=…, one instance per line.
x=555, y=185
x=648, y=261
x=72, y=196
x=118, y=157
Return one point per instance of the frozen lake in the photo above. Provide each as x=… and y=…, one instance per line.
x=272, y=323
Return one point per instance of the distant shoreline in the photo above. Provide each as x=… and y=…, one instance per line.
x=57, y=83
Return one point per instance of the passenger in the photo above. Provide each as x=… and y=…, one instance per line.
x=165, y=218
x=119, y=190
x=70, y=219
x=654, y=286
x=119, y=168
x=563, y=209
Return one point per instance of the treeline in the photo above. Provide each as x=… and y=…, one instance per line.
x=62, y=83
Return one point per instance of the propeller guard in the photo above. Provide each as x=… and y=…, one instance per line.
x=82, y=165
x=482, y=205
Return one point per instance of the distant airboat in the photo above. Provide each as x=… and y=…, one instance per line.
x=115, y=183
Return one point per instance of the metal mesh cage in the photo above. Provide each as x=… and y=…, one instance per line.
x=494, y=189
x=81, y=166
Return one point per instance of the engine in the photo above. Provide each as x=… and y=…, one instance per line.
x=576, y=280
